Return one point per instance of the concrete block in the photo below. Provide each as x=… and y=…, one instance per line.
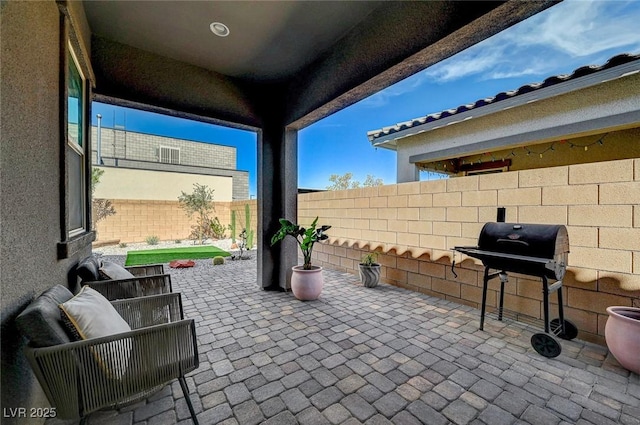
x=408, y=239
x=378, y=202
x=388, y=190
x=433, y=186
x=400, y=201
x=620, y=238
x=480, y=198
x=593, y=301
x=583, y=236
x=388, y=213
x=570, y=195
x=623, y=284
x=446, y=287
x=507, y=180
x=517, y=197
x=627, y=193
x=544, y=177
x=397, y=275
x=543, y=214
x=409, y=265
x=602, y=259
x=527, y=306
x=361, y=203
x=400, y=226
x=378, y=224
x=471, y=230
x=462, y=184
x=432, y=269
x=447, y=228
x=601, y=172
x=472, y=293
x=452, y=199
x=409, y=214
x=421, y=227
x=410, y=188
x=601, y=215
x=419, y=280
x=486, y=214
x=436, y=214
x=462, y=214
x=433, y=241
x=421, y=200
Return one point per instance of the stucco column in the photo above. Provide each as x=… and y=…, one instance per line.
x=277, y=197
x=406, y=171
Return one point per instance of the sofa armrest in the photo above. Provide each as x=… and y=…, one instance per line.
x=73, y=375
x=151, y=310
x=146, y=270
x=132, y=287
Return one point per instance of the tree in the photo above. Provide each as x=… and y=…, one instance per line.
x=200, y=203
x=344, y=182
x=100, y=208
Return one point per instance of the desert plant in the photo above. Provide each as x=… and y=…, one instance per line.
x=369, y=259
x=122, y=244
x=216, y=229
x=247, y=217
x=178, y=241
x=218, y=260
x=100, y=208
x=232, y=227
x=199, y=202
x=305, y=238
x=152, y=240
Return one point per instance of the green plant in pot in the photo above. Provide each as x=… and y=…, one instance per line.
x=369, y=270
x=306, y=280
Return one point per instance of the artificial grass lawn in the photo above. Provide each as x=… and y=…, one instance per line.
x=164, y=255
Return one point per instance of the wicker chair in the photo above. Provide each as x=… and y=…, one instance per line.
x=75, y=376
x=127, y=282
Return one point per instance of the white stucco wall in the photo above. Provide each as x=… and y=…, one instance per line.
x=124, y=183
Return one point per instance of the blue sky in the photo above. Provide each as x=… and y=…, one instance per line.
x=562, y=38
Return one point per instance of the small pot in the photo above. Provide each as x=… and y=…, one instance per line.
x=306, y=285
x=369, y=275
x=622, y=333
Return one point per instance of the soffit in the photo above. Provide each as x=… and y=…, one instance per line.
x=268, y=40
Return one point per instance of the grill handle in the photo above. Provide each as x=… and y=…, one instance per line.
x=512, y=241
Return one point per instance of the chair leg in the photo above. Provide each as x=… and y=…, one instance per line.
x=185, y=391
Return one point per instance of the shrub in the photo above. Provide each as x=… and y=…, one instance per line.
x=152, y=240
x=122, y=244
x=218, y=260
x=217, y=229
x=178, y=241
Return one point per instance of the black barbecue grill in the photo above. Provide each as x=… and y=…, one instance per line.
x=532, y=249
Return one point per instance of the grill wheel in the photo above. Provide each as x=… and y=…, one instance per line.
x=545, y=345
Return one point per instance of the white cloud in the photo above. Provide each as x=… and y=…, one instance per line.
x=563, y=37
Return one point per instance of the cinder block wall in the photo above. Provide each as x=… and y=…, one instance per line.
x=414, y=225
x=135, y=220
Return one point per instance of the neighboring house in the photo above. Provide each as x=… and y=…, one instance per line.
x=142, y=166
x=591, y=115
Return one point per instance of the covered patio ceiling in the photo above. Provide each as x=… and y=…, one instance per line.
x=304, y=60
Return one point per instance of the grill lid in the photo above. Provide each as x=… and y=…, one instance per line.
x=531, y=240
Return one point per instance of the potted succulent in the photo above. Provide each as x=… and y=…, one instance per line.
x=306, y=280
x=369, y=270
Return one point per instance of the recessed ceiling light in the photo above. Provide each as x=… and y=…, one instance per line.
x=219, y=29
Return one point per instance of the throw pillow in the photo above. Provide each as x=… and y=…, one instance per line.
x=109, y=270
x=90, y=315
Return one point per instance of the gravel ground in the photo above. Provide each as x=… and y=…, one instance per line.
x=117, y=250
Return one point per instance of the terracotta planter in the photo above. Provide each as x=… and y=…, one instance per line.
x=306, y=285
x=622, y=333
x=369, y=275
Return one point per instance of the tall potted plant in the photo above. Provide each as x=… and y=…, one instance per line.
x=369, y=270
x=306, y=280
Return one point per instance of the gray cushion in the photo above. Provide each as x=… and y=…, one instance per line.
x=40, y=322
x=110, y=270
x=88, y=269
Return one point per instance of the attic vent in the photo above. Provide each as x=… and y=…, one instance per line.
x=169, y=155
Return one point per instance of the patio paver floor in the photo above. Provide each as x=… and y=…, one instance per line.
x=374, y=356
